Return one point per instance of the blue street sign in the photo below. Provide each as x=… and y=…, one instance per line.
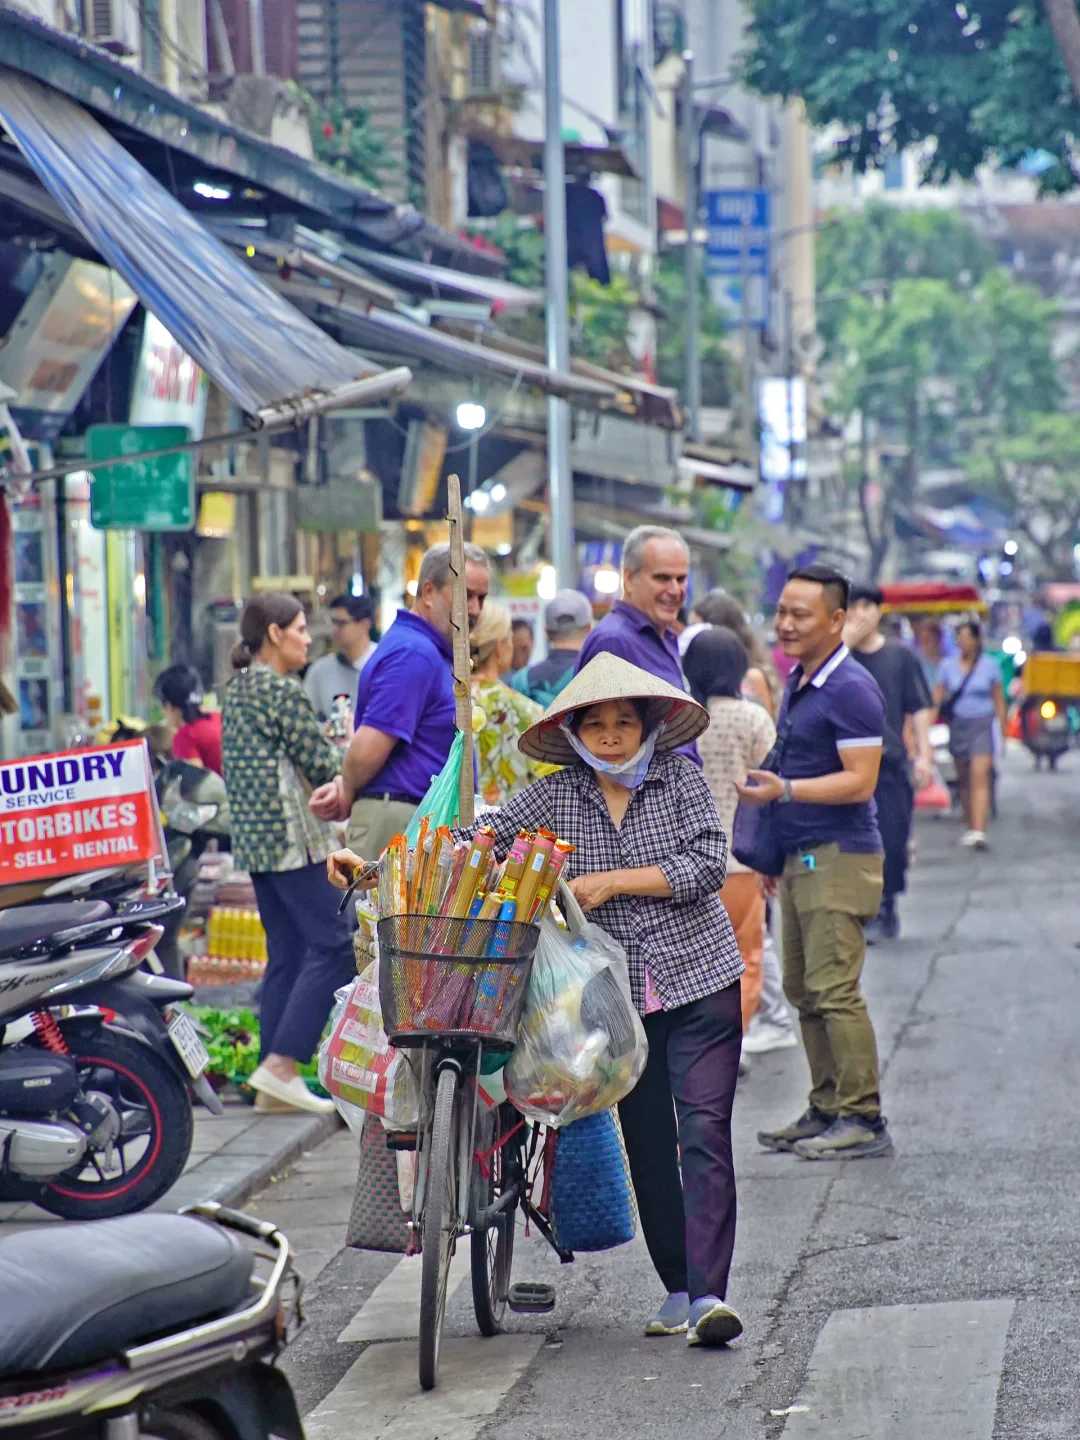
x=738, y=232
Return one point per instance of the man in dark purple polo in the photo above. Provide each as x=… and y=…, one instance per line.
x=656, y=565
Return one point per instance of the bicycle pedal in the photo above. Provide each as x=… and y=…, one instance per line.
x=529, y=1297
x=401, y=1139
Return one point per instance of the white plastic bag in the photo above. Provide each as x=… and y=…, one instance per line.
x=360, y=1068
x=581, y=1046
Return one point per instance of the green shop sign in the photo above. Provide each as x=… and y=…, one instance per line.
x=153, y=494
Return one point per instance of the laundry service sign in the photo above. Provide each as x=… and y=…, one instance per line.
x=80, y=810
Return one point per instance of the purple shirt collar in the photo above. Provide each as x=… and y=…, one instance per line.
x=641, y=621
x=409, y=619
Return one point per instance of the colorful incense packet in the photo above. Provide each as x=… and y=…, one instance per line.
x=477, y=859
x=516, y=861
x=534, y=870
x=560, y=853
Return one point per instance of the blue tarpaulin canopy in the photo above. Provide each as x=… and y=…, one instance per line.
x=260, y=349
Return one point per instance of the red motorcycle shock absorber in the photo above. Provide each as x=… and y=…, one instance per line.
x=49, y=1032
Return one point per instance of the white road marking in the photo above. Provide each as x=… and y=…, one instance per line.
x=380, y=1396
x=392, y=1310
x=904, y=1372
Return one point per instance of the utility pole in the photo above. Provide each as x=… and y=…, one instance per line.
x=258, y=37
x=691, y=159
x=560, y=475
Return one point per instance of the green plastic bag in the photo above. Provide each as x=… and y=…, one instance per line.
x=441, y=804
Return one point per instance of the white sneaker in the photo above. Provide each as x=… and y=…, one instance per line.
x=292, y=1093
x=763, y=1035
x=974, y=840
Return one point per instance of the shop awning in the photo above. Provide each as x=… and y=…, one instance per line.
x=732, y=477
x=396, y=335
x=262, y=351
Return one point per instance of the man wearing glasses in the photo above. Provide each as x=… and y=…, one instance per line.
x=338, y=672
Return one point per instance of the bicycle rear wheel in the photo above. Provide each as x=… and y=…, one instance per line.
x=493, y=1247
x=440, y=1223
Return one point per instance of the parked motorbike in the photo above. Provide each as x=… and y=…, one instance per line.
x=1047, y=728
x=195, y=814
x=97, y=1065
x=151, y=1325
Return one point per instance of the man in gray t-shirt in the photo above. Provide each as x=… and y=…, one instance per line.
x=338, y=672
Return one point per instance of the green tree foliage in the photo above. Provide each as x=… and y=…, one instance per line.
x=931, y=350
x=981, y=79
x=1036, y=476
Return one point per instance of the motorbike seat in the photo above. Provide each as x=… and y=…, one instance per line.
x=75, y=1295
x=25, y=924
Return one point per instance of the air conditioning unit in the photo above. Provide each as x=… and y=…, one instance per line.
x=483, y=60
x=114, y=26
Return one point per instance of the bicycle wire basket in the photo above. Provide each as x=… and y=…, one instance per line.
x=446, y=980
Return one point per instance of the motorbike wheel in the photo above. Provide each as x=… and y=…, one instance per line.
x=156, y=1130
x=162, y=1424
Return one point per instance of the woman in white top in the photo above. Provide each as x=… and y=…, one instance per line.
x=740, y=736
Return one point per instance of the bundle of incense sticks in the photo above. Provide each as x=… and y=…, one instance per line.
x=465, y=881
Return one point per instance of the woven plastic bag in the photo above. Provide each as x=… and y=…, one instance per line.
x=581, y=1046
x=358, y=1066
x=592, y=1200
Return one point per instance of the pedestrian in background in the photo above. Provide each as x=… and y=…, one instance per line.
x=740, y=736
x=338, y=673
x=502, y=713
x=771, y=1027
x=831, y=732
x=717, y=607
x=568, y=619
x=196, y=733
x=639, y=627
x=404, y=709
x=907, y=700
x=971, y=701
x=274, y=752
x=521, y=649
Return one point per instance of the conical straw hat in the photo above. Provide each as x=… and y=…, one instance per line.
x=607, y=677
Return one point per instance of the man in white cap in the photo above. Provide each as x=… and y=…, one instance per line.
x=568, y=619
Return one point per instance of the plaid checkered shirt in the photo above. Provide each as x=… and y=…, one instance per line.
x=686, y=940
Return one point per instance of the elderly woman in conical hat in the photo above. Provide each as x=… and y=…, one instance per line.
x=649, y=859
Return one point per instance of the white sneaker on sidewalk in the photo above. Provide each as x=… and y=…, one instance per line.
x=763, y=1035
x=292, y=1093
x=975, y=840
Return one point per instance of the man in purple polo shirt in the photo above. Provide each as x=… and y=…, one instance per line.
x=656, y=566
x=404, y=710
x=830, y=733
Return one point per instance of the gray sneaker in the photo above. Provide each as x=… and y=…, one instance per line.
x=712, y=1322
x=849, y=1137
x=810, y=1123
x=673, y=1316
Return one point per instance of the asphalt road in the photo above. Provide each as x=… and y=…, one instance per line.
x=932, y=1294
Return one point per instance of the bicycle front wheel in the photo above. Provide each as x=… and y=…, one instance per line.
x=440, y=1224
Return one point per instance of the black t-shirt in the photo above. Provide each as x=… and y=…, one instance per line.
x=900, y=679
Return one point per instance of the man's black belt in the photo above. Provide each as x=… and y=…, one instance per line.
x=390, y=795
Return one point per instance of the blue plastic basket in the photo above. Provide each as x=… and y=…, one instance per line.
x=592, y=1200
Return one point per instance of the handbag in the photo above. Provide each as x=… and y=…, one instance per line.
x=592, y=1200
x=947, y=708
x=755, y=834
x=378, y=1220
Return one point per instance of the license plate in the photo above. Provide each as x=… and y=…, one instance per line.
x=189, y=1047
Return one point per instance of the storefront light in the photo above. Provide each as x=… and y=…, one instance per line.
x=470, y=415
x=1010, y=547
x=1011, y=644
x=547, y=582
x=212, y=192
x=410, y=588
x=498, y=493
x=503, y=549
x=479, y=501
x=606, y=580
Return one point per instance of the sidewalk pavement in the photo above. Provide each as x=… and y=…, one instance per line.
x=232, y=1156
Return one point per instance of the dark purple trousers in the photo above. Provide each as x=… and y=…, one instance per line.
x=688, y=1221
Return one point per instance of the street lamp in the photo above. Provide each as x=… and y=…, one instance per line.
x=472, y=417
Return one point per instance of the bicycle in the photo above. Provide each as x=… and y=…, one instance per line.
x=454, y=989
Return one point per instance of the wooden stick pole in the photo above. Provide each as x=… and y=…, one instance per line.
x=459, y=618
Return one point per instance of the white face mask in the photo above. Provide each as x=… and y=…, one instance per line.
x=631, y=772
